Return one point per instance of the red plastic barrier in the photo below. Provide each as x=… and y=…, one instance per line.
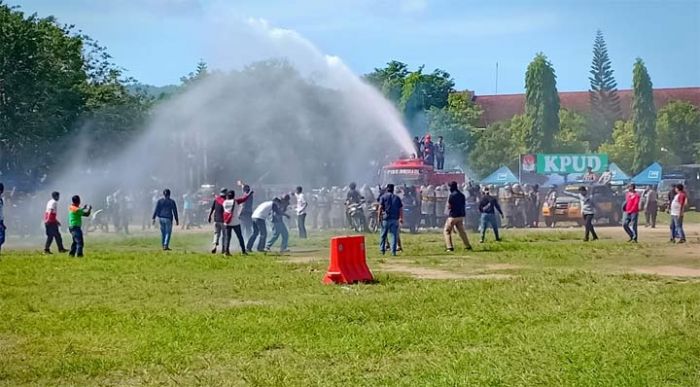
x=348, y=261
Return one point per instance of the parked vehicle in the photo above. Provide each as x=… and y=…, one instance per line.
x=414, y=172
x=568, y=209
x=689, y=176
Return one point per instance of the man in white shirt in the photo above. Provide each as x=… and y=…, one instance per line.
x=52, y=224
x=301, y=212
x=260, y=215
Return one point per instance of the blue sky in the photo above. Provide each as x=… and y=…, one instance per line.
x=160, y=40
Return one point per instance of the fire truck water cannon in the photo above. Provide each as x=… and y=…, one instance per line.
x=414, y=172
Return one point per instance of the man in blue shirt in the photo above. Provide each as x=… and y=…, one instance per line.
x=165, y=211
x=390, y=217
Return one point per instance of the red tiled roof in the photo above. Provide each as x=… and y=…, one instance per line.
x=505, y=106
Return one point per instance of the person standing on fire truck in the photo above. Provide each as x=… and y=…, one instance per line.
x=440, y=153
x=428, y=151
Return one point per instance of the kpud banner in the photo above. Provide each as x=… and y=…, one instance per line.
x=547, y=164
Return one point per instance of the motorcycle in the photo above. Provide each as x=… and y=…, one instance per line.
x=372, y=217
x=356, y=216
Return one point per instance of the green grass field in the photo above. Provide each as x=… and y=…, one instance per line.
x=541, y=308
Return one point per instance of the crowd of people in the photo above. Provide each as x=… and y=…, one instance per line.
x=386, y=210
x=431, y=153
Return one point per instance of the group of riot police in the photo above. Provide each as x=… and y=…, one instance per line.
x=521, y=205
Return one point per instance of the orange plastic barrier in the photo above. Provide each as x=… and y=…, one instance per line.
x=348, y=261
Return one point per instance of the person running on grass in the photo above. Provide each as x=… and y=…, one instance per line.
x=232, y=222
x=52, y=224
x=165, y=211
x=488, y=207
x=75, y=223
x=631, y=212
x=278, y=226
x=677, y=209
x=456, y=206
x=587, y=210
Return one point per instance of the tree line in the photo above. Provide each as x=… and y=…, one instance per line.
x=57, y=85
x=61, y=93
x=430, y=103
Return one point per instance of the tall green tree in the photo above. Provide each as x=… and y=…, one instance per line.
x=199, y=73
x=455, y=122
x=643, y=117
x=605, y=103
x=541, y=105
x=499, y=144
x=572, y=137
x=678, y=126
x=414, y=93
x=422, y=92
x=55, y=85
x=42, y=80
x=390, y=80
x=620, y=148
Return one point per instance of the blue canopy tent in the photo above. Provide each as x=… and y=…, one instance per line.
x=619, y=177
x=651, y=175
x=554, y=180
x=501, y=176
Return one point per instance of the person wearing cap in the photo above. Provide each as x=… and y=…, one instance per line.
x=217, y=210
x=390, y=216
x=428, y=151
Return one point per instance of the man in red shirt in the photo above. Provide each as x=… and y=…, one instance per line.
x=631, y=212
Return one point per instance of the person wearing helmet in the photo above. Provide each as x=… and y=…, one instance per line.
x=353, y=197
x=428, y=151
x=440, y=153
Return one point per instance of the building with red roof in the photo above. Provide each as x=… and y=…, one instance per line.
x=505, y=106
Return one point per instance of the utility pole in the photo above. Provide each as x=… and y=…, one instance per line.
x=496, y=78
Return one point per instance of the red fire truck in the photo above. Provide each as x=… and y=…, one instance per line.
x=414, y=172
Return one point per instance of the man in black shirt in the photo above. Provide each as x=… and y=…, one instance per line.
x=488, y=207
x=456, y=205
x=217, y=210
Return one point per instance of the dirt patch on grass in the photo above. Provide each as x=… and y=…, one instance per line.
x=672, y=271
x=428, y=273
x=303, y=259
x=502, y=266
